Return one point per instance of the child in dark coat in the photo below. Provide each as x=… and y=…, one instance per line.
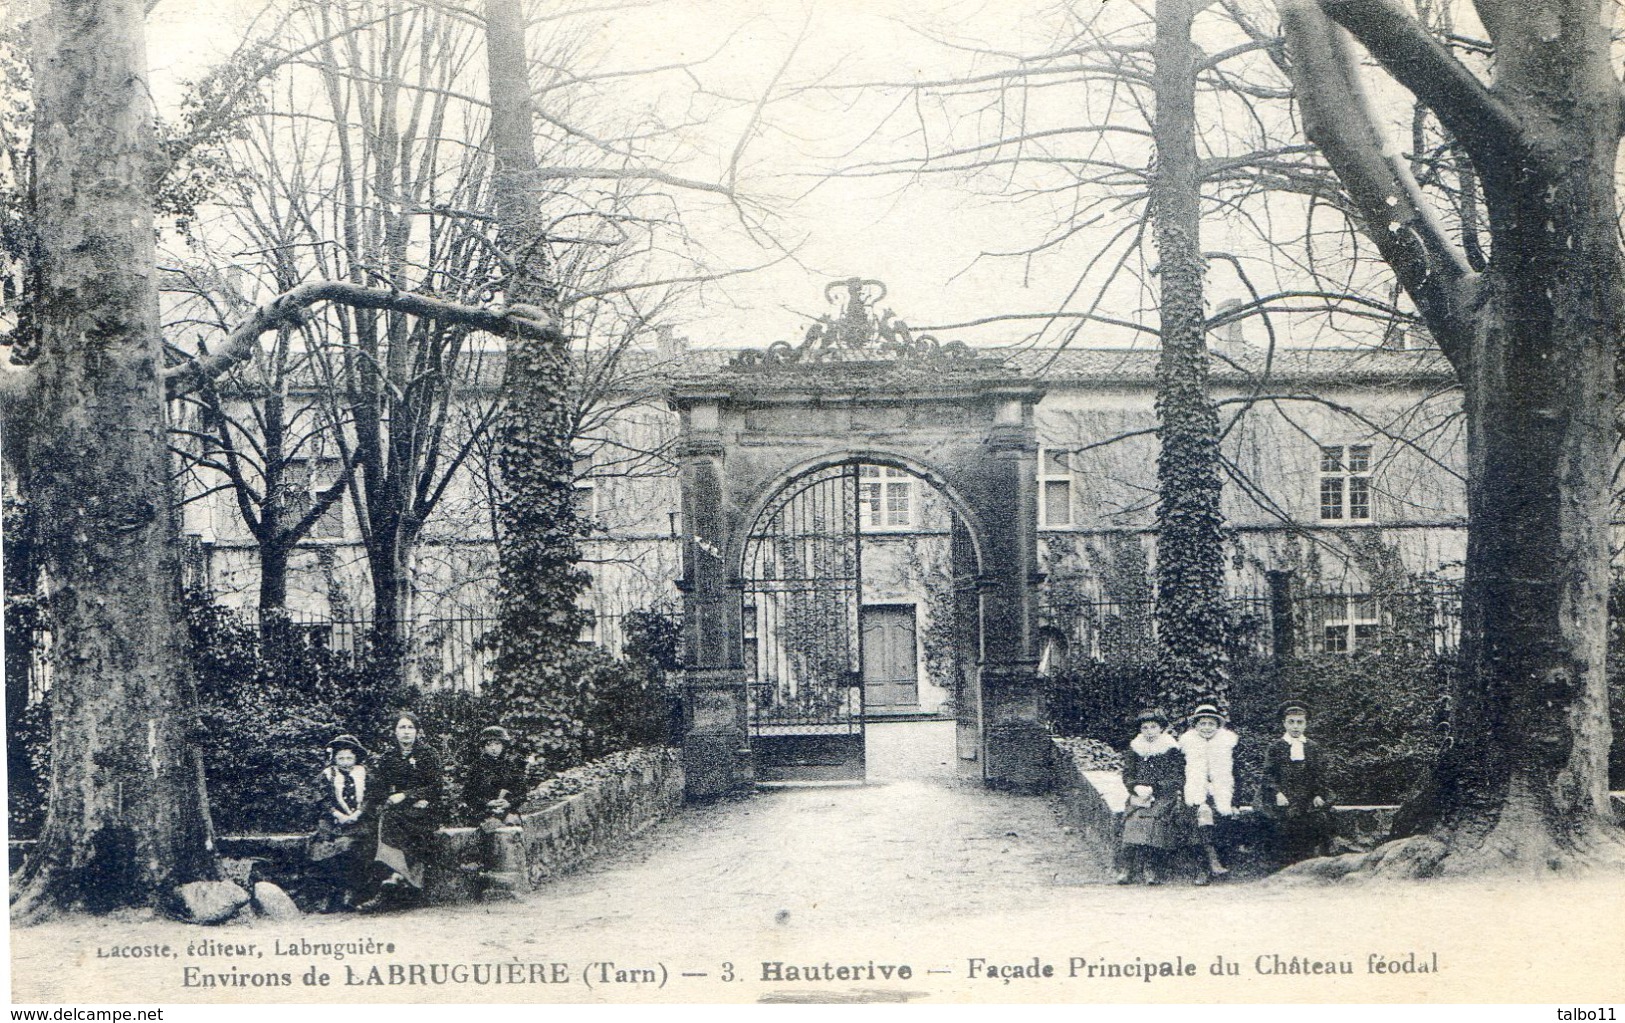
x=341, y=850
x=1293, y=792
x=496, y=783
x=1153, y=821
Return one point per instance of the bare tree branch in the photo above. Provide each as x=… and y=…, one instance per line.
x=289, y=309
x=1418, y=61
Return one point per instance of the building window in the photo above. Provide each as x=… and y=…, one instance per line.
x=1054, y=487
x=306, y=480
x=1345, y=482
x=586, y=489
x=1352, y=623
x=885, y=497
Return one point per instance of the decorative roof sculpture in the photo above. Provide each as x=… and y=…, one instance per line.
x=858, y=334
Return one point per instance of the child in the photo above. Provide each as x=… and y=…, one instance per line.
x=495, y=790
x=495, y=785
x=340, y=851
x=1210, y=780
x=1292, y=792
x=1154, y=774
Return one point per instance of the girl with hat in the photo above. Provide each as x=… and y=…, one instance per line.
x=409, y=786
x=340, y=851
x=1210, y=779
x=1154, y=774
x=1293, y=792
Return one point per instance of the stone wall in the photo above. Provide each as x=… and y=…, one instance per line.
x=1084, y=812
x=623, y=794
x=1091, y=802
x=566, y=822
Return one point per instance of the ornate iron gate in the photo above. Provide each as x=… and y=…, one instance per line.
x=803, y=570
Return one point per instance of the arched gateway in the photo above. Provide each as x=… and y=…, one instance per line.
x=791, y=460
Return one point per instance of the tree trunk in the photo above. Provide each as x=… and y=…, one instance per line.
x=125, y=819
x=1190, y=545
x=1534, y=341
x=1527, y=780
x=273, y=578
x=540, y=577
x=388, y=558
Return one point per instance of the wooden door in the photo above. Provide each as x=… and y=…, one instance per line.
x=890, y=671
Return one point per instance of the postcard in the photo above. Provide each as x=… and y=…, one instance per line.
x=759, y=502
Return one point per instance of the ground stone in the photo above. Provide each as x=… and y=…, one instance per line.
x=274, y=903
x=210, y=902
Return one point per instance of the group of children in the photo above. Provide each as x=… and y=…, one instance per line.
x=379, y=813
x=1181, y=791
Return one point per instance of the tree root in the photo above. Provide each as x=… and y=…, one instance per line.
x=36, y=898
x=1510, y=848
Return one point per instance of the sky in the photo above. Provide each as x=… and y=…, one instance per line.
x=924, y=237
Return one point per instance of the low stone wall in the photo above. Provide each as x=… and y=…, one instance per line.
x=1084, y=812
x=565, y=823
x=1092, y=803
x=621, y=796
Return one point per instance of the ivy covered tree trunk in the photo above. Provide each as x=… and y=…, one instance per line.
x=540, y=575
x=1534, y=340
x=125, y=818
x=1190, y=543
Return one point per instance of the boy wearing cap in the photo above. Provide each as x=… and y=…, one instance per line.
x=495, y=785
x=1293, y=792
x=1210, y=780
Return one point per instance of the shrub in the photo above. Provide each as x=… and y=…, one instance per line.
x=1381, y=717
x=1098, y=700
x=595, y=704
x=268, y=704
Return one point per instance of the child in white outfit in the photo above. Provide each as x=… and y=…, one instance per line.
x=1210, y=780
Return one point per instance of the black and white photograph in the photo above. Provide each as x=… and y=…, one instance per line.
x=1071, y=502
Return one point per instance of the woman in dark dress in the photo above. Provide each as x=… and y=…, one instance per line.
x=1292, y=793
x=1154, y=821
x=408, y=781
x=341, y=850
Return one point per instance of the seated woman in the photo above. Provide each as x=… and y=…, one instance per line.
x=408, y=782
x=341, y=850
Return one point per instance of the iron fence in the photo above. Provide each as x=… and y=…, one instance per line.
x=445, y=653
x=1421, y=620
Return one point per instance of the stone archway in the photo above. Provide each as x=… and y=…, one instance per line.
x=861, y=389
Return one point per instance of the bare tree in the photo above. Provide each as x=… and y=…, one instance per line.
x=127, y=817
x=1533, y=337
x=258, y=434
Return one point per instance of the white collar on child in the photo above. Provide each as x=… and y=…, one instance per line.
x=1150, y=748
x=1296, y=744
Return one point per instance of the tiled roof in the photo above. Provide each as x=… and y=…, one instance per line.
x=646, y=370
x=1139, y=365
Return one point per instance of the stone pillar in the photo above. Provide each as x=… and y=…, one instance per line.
x=967, y=650
x=716, y=754
x=1015, y=742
